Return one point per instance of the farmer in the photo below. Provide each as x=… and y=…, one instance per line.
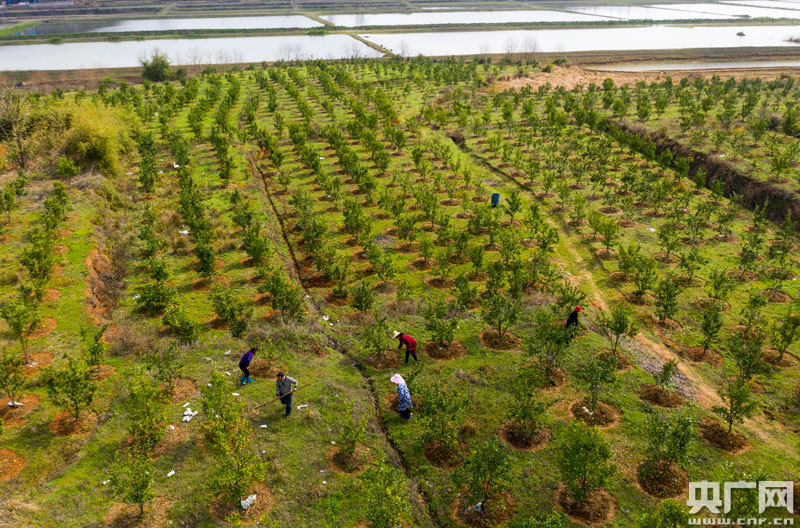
x=572, y=320
x=408, y=341
x=404, y=405
x=284, y=390
x=244, y=363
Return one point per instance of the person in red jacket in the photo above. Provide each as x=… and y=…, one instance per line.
x=409, y=342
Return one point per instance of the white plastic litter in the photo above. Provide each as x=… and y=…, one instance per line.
x=171, y=427
x=130, y=174
x=587, y=411
x=235, y=393
x=207, y=358
x=183, y=232
x=136, y=296
x=324, y=481
x=651, y=229
x=325, y=317
x=156, y=114
x=263, y=426
x=249, y=501
x=333, y=442
x=322, y=157
x=227, y=352
x=227, y=373
x=105, y=482
x=33, y=364
x=171, y=473
x=161, y=172
x=322, y=471
x=302, y=406
x=478, y=507
x=330, y=324
x=185, y=405
x=14, y=404
x=175, y=166
x=186, y=418
x=187, y=411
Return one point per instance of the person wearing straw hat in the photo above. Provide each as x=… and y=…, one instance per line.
x=404, y=404
x=409, y=342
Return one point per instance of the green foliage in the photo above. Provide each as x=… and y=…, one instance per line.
x=11, y=376
x=285, y=295
x=145, y=412
x=667, y=292
x=156, y=68
x=72, y=387
x=443, y=413
x=745, y=349
x=22, y=317
x=738, y=403
x=548, y=340
x=583, y=457
x=668, y=443
x=97, y=137
x=95, y=347
x=385, y=497
x=437, y=322
x=132, y=479
x=597, y=373
x=65, y=168
x=526, y=412
x=231, y=309
x=500, y=312
x=363, y=296
x=784, y=331
x=166, y=364
x=618, y=323
x=179, y=323
x=710, y=324
x=354, y=432
x=664, y=376
x=670, y=514
x=485, y=473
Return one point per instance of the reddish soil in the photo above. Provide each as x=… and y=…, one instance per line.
x=441, y=456
x=673, y=481
x=103, y=372
x=438, y=283
x=452, y=351
x=664, y=258
x=706, y=302
x=599, y=508
x=386, y=359
x=204, y=284
x=419, y=264
x=122, y=515
x=716, y=434
x=47, y=325
x=495, y=512
x=697, y=355
x=51, y=296
x=38, y=360
x=787, y=361
x=660, y=396
x=742, y=276
x=341, y=463
x=64, y=424
x=618, y=276
x=490, y=339
x=604, y=415
x=392, y=402
x=317, y=281
x=171, y=440
x=263, y=504
x=511, y=435
x=556, y=377
x=183, y=389
x=776, y=296
x=337, y=300
x=10, y=464
x=13, y=416
x=605, y=254
x=623, y=363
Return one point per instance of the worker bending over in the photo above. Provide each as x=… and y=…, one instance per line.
x=409, y=342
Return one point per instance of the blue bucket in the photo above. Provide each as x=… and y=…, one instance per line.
x=495, y=199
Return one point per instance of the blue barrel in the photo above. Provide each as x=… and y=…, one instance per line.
x=495, y=199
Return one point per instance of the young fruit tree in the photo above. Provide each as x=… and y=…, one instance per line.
x=526, y=413
x=666, y=292
x=131, y=479
x=95, y=347
x=166, y=364
x=385, y=497
x=22, y=317
x=11, y=377
x=484, y=474
x=500, y=312
x=442, y=328
x=73, y=387
x=583, y=458
x=745, y=350
x=146, y=413
x=784, y=331
x=232, y=310
x=670, y=514
x=669, y=444
x=548, y=341
x=596, y=374
x=738, y=403
x=664, y=376
x=619, y=322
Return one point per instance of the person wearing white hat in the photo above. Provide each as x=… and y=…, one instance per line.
x=404, y=404
x=409, y=342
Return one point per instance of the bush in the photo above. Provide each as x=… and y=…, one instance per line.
x=97, y=137
x=386, y=501
x=484, y=473
x=442, y=328
x=132, y=480
x=156, y=68
x=500, y=312
x=65, y=168
x=145, y=413
x=166, y=364
x=11, y=377
x=583, y=457
x=233, y=311
x=71, y=388
x=180, y=325
x=363, y=297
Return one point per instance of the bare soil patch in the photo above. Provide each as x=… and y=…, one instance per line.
x=340, y=462
x=38, y=360
x=441, y=456
x=697, y=355
x=623, y=363
x=47, y=325
x=452, y=351
x=775, y=296
x=604, y=415
x=420, y=264
x=605, y=254
x=13, y=416
x=716, y=434
x=383, y=360
x=183, y=389
x=495, y=512
x=64, y=424
x=51, y=296
x=665, y=258
x=170, y=441
x=517, y=439
x=663, y=483
x=103, y=372
x=222, y=510
x=438, y=283
x=491, y=339
x=10, y=464
x=743, y=276
x=660, y=396
x=599, y=508
x=122, y=515
x=772, y=357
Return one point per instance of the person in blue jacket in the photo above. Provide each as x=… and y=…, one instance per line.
x=244, y=363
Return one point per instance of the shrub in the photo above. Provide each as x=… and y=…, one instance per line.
x=22, y=317
x=145, y=413
x=618, y=323
x=166, y=364
x=65, y=168
x=180, y=325
x=670, y=514
x=484, y=473
x=597, y=373
x=71, y=388
x=97, y=137
x=500, y=312
x=363, y=297
x=665, y=375
x=437, y=322
x=443, y=413
x=95, y=347
x=11, y=377
x=548, y=341
x=526, y=412
x=132, y=479
x=739, y=403
x=156, y=68
x=583, y=458
x=385, y=497
x=668, y=442
x=155, y=297
x=285, y=295
x=232, y=310
x=354, y=432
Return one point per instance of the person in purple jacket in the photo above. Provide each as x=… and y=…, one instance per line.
x=244, y=363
